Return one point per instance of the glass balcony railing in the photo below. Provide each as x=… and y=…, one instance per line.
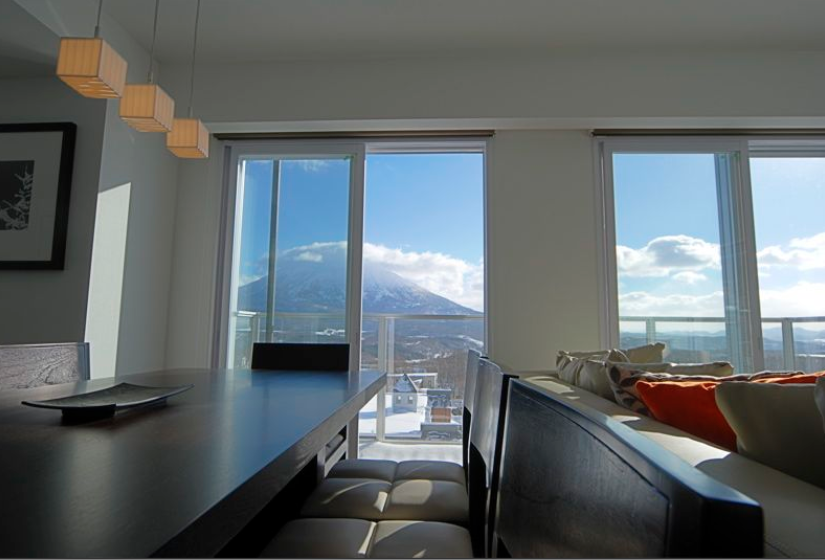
x=790, y=343
x=425, y=357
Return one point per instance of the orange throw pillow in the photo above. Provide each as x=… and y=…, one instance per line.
x=689, y=406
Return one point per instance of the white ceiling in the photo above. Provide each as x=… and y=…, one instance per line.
x=257, y=30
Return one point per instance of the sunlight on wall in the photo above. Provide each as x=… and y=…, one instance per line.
x=106, y=278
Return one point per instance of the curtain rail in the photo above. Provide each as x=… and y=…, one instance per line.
x=364, y=135
x=603, y=132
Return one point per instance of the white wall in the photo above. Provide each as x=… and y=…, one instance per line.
x=141, y=159
x=45, y=305
x=137, y=327
x=541, y=234
x=192, y=296
x=543, y=249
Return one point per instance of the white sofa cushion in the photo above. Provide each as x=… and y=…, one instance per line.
x=794, y=510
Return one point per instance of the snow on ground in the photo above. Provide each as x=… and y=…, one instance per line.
x=402, y=425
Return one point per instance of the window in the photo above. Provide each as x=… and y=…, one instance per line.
x=379, y=245
x=788, y=193
x=701, y=234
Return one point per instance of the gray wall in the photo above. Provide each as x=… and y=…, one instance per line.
x=50, y=306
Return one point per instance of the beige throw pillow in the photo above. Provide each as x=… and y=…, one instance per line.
x=593, y=375
x=819, y=397
x=647, y=354
x=569, y=364
x=777, y=425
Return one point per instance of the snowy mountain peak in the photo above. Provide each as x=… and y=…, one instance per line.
x=312, y=279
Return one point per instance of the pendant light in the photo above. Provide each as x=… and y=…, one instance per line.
x=146, y=107
x=90, y=66
x=189, y=138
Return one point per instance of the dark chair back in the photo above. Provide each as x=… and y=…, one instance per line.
x=300, y=357
x=469, y=398
x=485, y=449
x=32, y=365
x=576, y=483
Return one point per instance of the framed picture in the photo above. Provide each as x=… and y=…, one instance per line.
x=35, y=180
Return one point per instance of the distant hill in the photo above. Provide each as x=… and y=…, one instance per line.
x=313, y=280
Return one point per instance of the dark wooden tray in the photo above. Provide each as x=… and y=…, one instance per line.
x=105, y=402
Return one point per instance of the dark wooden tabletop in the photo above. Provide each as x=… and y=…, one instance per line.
x=179, y=479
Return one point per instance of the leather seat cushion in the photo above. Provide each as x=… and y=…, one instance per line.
x=322, y=538
x=430, y=470
x=361, y=498
x=420, y=539
x=427, y=500
x=364, y=468
x=390, y=471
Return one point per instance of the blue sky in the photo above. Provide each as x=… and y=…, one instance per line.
x=668, y=235
x=423, y=216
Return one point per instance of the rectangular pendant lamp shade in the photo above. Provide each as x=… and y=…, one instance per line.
x=189, y=138
x=147, y=108
x=91, y=67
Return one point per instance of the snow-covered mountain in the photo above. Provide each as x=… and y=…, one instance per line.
x=313, y=280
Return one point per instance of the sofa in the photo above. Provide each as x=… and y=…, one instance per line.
x=793, y=510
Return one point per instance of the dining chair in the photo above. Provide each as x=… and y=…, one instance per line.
x=575, y=483
x=391, y=471
x=473, y=356
x=484, y=454
x=300, y=356
x=31, y=365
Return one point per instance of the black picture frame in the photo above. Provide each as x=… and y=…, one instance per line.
x=61, y=197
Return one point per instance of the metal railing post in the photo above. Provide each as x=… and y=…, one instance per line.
x=788, y=347
x=650, y=330
x=254, y=334
x=383, y=365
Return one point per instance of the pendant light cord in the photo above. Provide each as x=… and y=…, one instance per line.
x=97, y=24
x=194, y=54
x=152, y=48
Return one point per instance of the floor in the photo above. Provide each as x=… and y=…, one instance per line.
x=371, y=449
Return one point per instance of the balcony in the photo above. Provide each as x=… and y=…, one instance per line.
x=790, y=343
x=425, y=357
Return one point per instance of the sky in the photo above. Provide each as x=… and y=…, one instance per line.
x=667, y=235
x=423, y=216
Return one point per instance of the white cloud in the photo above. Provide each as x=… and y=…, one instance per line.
x=447, y=276
x=310, y=165
x=689, y=277
x=667, y=255
x=804, y=253
x=804, y=299
x=309, y=256
x=673, y=305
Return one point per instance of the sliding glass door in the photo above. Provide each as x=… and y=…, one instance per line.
x=294, y=272
x=407, y=295
x=715, y=246
x=682, y=250
x=788, y=194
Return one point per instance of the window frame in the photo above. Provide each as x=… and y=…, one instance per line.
x=739, y=206
x=358, y=149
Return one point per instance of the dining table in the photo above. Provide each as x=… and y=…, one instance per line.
x=181, y=478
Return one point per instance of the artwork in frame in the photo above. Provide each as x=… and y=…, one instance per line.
x=35, y=181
